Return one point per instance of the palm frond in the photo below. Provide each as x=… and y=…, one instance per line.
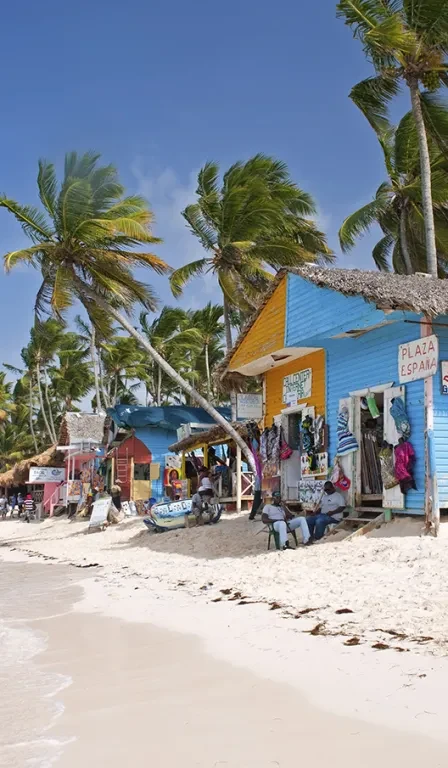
x=181, y=276
x=27, y=255
x=372, y=97
x=359, y=223
x=199, y=226
x=32, y=221
x=382, y=252
x=47, y=186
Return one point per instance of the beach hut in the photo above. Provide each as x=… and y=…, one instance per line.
x=233, y=483
x=141, y=459
x=352, y=363
x=82, y=438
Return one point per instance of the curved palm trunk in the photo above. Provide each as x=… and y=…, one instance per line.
x=425, y=170
x=33, y=434
x=50, y=409
x=99, y=406
x=229, y=344
x=106, y=398
x=159, y=386
x=41, y=401
x=404, y=245
x=167, y=368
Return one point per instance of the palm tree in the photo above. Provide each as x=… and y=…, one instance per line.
x=84, y=243
x=71, y=378
x=407, y=42
x=208, y=321
x=256, y=219
x=88, y=332
x=45, y=339
x=169, y=333
x=121, y=361
x=397, y=206
x=15, y=444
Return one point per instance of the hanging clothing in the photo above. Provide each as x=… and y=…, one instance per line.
x=347, y=442
x=404, y=465
x=400, y=416
x=387, y=468
x=264, y=446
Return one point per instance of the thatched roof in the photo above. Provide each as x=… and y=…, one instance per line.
x=418, y=293
x=78, y=427
x=214, y=435
x=18, y=475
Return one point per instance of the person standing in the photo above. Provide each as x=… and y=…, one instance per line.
x=116, y=495
x=30, y=508
x=20, y=502
x=282, y=519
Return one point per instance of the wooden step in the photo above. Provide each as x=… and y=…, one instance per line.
x=359, y=520
x=377, y=510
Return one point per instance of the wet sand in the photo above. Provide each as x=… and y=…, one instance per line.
x=131, y=693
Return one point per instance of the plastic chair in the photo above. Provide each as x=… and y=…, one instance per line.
x=274, y=533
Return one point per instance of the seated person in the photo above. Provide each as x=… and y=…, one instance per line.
x=199, y=503
x=278, y=514
x=331, y=511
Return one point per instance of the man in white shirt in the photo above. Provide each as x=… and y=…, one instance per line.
x=282, y=519
x=331, y=511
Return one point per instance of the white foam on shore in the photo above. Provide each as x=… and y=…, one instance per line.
x=30, y=705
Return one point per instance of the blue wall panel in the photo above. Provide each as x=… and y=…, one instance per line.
x=441, y=418
x=157, y=440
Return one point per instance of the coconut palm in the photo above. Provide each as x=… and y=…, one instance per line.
x=85, y=244
x=209, y=323
x=16, y=443
x=255, y=219
x=397, y=206
x=407, y=42
x=169, y=333
x=71, y=378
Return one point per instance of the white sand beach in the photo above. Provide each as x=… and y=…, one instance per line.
x=239, y=653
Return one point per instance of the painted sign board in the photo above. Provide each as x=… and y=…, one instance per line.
x=100, y=511
x=297, y=385
x=74, y=490
x=418, y=359
x=46, y=475
x=444, y=369
x=249, y=406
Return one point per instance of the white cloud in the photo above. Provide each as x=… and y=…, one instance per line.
x=168, y=196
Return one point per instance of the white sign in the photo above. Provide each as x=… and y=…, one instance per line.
x=444, y=367
x=46, y=475
x=297, y=384
x=291, y=399
x=249, y=407
x=418, y=359
x=100, y=511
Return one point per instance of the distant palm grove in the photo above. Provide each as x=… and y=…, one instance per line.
x=92, y=244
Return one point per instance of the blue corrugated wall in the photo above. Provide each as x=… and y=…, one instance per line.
x=314, y=315
x=157, y=440
x=441, y=418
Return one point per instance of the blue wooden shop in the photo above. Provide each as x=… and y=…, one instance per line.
x=334, y=341
x=139, y=456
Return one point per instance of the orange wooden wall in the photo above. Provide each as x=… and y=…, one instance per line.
x=267, y=334
x=274, y=384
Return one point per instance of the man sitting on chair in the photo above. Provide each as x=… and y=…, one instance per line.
x=282, y=519
x=330, y=512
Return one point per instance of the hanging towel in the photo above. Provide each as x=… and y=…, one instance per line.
x=404, y=466
x=347, y=442
x=372, y=406
x=399, y=415
x=387, y=468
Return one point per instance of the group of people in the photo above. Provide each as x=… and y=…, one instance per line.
x=329, y=512
x=25, y=506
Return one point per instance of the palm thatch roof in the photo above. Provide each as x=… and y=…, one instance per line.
x=18, y=474
x=417, y=293
x=79, y=427
x=211, y=436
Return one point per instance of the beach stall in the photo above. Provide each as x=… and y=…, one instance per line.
x=355, y=376
x=233, y=483
x=141, y=460
x=81, y=438
x=40, y=475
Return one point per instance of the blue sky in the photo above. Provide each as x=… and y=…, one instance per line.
x=161, y=87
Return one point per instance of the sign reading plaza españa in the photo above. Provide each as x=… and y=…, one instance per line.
x=418, y=359
x=297, y=385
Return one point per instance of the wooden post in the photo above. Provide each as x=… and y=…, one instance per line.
x=131, y=483
x=238, y=478
x=432, y=511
